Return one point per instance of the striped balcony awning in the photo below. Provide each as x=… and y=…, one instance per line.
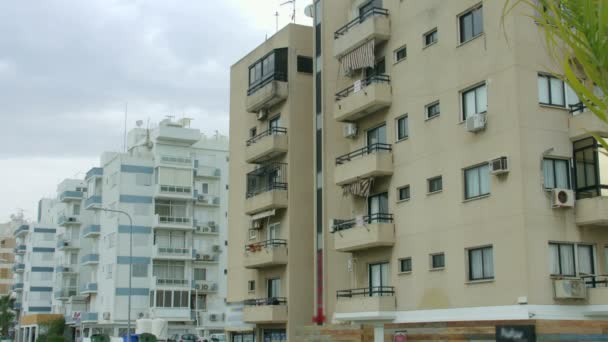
x=362, y=187
x=359, y=58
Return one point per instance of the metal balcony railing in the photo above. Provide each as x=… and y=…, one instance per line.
x=173, y=219
x=360, y=19
x=373, y=148
x=344, y=93
x=595, y=281
x=269, y=132
x=266, y=301
x=258, y=246
x=275, y=76
x=168, y=251
x=175, y=189
x=172, y=282
x=372, y=291
x=369, y=219
x=23, y=228
x=266, y=178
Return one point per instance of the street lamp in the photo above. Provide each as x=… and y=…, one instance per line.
x=130, y=263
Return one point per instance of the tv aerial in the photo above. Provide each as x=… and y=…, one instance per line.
x=293, y=15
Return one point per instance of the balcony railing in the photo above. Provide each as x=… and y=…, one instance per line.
x=176, y=160
x=266, y=301
x=369, y=219
x=276, y=76
x=94, y=172
x=90, y=259
x=267, y=178
x=90, y=317
x=173, y=220
x=70, y=195
x=595, y=281
x=92, y=201
x=65, y=220
x=344, y=93
x=22, y=229
x=92, y=230
x=176, y=252
x=258, y=246
x=89, y=287
x=373, y=148
x=20, y=249
x=18, y=267
x=174, y=189
x=66, y=292
x=360, y=19
x=207, y=171
x=17, y=287
x=372, y=291
x=270, y=132
x=172, y=282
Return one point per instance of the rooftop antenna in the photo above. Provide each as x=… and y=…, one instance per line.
x=124, y=141
x=293, y=15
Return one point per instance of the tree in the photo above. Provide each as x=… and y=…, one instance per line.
x=7, y=315
x=52, y=331
x=576, y=33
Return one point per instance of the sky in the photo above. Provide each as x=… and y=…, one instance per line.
x=69, y=69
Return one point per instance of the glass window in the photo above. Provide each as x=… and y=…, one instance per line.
x=585, y=259
x=400, y=54
x=139, y=270
x=251, y=286
x=403, y=193
x=432, y=110
x=402, y=128
x=377, y=207
x=275, y=335
x=435, y=184
x=481, y=263
x=474, y=101
x=477, y=181
x=431, y=37
x=562, y=259
x=200, y=274
x=405, y=265
x=378, y=277
x=437, y=260
x=273, y=287
x=376, y=136
x=274, y=123
x=471, y=24
x=556, y=173
x=551, y=91
x=589, y=174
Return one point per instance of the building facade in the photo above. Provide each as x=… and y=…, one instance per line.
x=8, y=249
x=456, y=178
x=270, y=210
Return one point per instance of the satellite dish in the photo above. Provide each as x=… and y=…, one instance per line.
x=139, y=123
x=308, y=11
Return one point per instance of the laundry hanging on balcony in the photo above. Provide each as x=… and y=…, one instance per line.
x=361, y=187
x=359, y=58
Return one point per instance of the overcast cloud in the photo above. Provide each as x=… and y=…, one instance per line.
x=67, y=68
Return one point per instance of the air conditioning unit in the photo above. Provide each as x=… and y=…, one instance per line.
x=213, y=317
x=201, y=198
x=499, y=166
x=211, y=224
x=66, y=243
x=206, y=229
x=214, y=287
x=349, y=130
x=257, y=224
x=106, y=316
x=332, y=224
x=71, y=219
x=198, y=256
x=569, y=289
x=197, y=286
x=206, y=257
x=216, y=248
x=476, y=123
x=562, y=198
x=205, y=287
x=262, y=114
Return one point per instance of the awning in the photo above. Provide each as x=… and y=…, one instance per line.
x=362, y=187
x=359, y=58
x=262, y=215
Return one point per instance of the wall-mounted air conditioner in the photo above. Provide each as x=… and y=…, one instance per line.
x=476, y=123
x=499, y=166
x=262, y=114
x=562, y=198
x=349, y=130
x=569, y=289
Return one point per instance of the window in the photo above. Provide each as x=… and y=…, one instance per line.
x=274, y=231
x=400, y=54
x=200, y=274
x=481, y=263
x=437, y=261
x=376, y=136
x=435, y=184
x=554, y=92
x=556, y=173
x=273, y=287
x=471, y=24
x=402, y=128
x=139, y=270
x=589, y=174
x=274, y=123
x=403, y=193
x=253, y=131
x=368, y=6
x=377, y=207
x=378, y=69
x=76, y=209
x=251, y=286
x=432, y=110
x=143, y=179
x=305, y=64
x=242, y=337
x=274, y=335
x=477, y=181
x=205, y=188
x=378, y=277
x=405, y=265
x=564, y=261
x=474, y=101
x=430, y=37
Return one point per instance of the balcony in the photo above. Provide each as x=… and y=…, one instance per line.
x=90, y=259
x=363, y=98
x=65, y=244
x=18, y=268
x=17, y=305
x=204, y=286
x=89, y=317
x=207, y=172
x=266, y=254
x=22, y=230
x=96, y=172
x=583, y=122
x=206, y=200
x=91, y=231
x=65, y=221
x=171, y=314
x=172, y=253
x=173, y=222
x=597, y=289
x=207, y=258
x=173, y=192
x=268, y=92
x=208, y=228
x=89, y=288
x=375, y=160
x=92, y=202
x=371, y=25
x=65, y=293
x=266, y=188
x=266, y=145
x=366, y=303
x=265, y=310
x=172, y=283
x=367, y=232
x=67, y=196
x=592, y=211
x=172, y=132
x=67, y=269
x=20, y=249
x=17, y=287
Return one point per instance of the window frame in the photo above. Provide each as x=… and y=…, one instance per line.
x=568, y=169
x=429, y=106
x=400, y=265
x=428, y=185
x=409, y=193
x=463, y=103
x=396, y=52
x=251, y=286
x=471, y=168
x=575, y=247
x=407, y=128
x=470, y=266
x=430, y=33
x=470, y=11
x=432, y=261
x=549, y=77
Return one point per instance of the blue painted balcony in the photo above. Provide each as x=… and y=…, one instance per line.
x=90, y=259
x=66, y=268
x=65, y=293
x=65, y=243
x=17, y=305
x=18, y=268
x=67, y=196
x=92, y=202
x=17, y=287
x=21, y=230
x=94, y=172
x=91, y=231
x=67, y=220
x=89, y=288
x=20, y=249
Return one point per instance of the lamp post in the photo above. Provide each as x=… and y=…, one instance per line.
x=130, y=264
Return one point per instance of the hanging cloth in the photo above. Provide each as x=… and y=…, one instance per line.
x=361, y=187
x=359, y=58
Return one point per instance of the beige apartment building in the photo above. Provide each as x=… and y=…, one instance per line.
x=270, y=212
x=459, y=194
x=8, y=249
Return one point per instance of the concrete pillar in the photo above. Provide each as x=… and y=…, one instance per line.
x=379, y=333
